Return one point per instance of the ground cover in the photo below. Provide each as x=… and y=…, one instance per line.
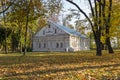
x=82, y=65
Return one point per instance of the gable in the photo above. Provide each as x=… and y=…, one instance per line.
x=69, y=31
x=57, y=29
x=50, y=29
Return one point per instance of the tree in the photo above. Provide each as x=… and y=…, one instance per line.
x=5, y=6
x=76, y=23
x=33, y=10
x=21, y=17
x=108, y=25
x=53, y=8
x=16, y=19
x=111, y=21
x=19, y=14
x=98, y=21
x=3, y=31
x=115, y=21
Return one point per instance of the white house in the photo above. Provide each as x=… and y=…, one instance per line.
x=55, y=37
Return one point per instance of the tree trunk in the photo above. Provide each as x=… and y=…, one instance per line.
x=118, y=42
x=110, y=49
x=20, y=41
x=108, y=29
x=1, y=47
x=118, y=39
x=3, y=9
x=13, y=47
x=6, y=48
x=20, y=47
x=26, y=26
x=98, y=46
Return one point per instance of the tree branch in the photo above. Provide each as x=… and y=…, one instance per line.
x=103, y=12
x=81, y=11
x=100, y=19
x=110, y=9
x=93, y=14
x=96, y=15
x=3, y=11
x=96, y=8
x=92, y=26
x=109, y=17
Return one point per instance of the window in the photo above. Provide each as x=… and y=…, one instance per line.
x=55, y=30
x=72, y=37
x=43, y=32
x=44, y=45
x=57, y=45
x=49, y=26
x=39, y=45
x=61, y=45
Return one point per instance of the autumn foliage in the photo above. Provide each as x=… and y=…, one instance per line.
x=60, y=66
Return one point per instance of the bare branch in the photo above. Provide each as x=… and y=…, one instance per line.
x=3, y=11
x=103, y=11
x=96, y=8
x=100, y=9
x=110, y=9
x=93, y=14
x=92, y=26
x=81, y=11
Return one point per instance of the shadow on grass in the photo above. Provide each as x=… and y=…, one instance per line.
x=42, y=72
x=53, y=59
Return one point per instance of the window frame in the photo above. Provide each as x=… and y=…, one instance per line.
x=57, y=45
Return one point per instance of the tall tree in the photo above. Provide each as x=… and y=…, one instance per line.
x=23, y=14
x=3, y=31
x=33, y=10
x=26, y=25
x=110, y=20
x=108, y=25
x=115, y=21
x=98, y=21
x=3, y=6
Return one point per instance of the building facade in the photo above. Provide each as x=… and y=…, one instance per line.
x=55, y=37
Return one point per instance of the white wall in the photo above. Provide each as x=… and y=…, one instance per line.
x=50, y=38
x=74, y=42
x=84, y=44
x=51, y=43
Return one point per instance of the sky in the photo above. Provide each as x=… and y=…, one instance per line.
x=82, y=4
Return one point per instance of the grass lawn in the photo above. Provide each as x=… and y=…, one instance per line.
x=60, y=66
